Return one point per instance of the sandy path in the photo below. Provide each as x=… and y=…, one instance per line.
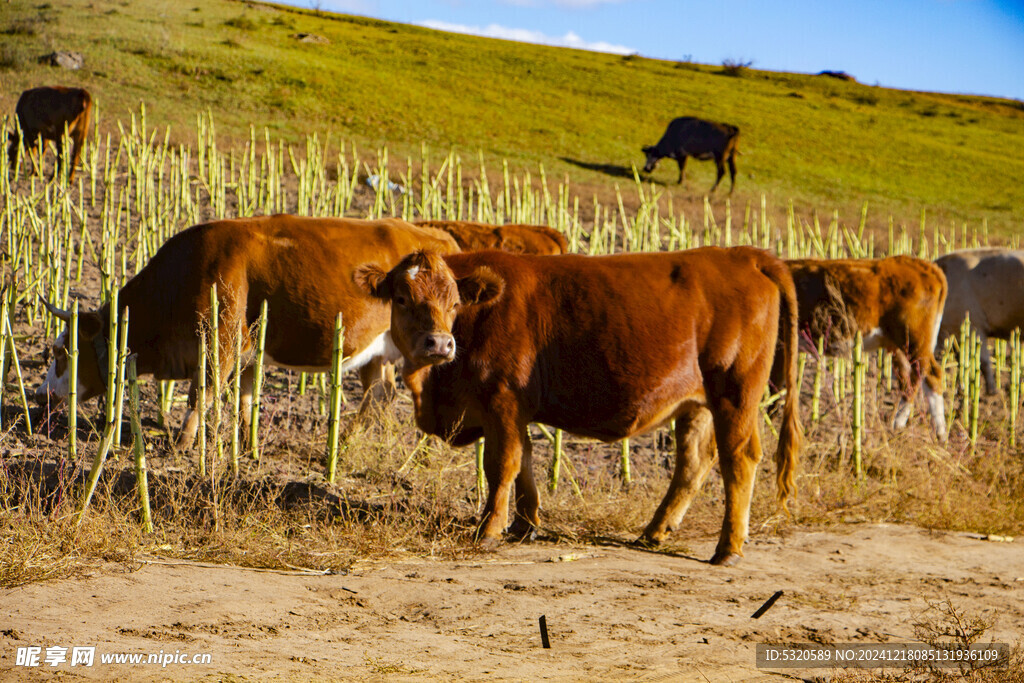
x=612, y=612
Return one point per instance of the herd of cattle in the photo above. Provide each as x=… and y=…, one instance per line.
x=600, y=346
x=497, y=327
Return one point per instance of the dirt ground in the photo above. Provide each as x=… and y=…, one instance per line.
x=611, y=612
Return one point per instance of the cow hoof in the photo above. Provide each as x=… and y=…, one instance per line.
x=522, y=531
x=488, y=543
x=647, y=542
x=183, y=442
x=726, y=559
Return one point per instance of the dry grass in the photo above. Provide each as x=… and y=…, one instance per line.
x=940, y=625
x=279, y=513
x=41, y=539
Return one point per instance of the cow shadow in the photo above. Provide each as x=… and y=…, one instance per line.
x=615, y=542
x=614, y=170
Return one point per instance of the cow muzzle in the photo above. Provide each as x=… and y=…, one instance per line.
x=55, y=388
x=52, y=391
x=437, y=347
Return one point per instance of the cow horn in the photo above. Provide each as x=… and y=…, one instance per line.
x=59, y=312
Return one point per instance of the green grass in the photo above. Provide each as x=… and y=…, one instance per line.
x=822, y=143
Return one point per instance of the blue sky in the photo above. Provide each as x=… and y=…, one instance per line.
x=961, y=46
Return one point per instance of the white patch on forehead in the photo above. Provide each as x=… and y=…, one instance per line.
x=413, y=272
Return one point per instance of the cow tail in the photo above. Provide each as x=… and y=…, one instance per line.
x=734, y=142
x=791, y=433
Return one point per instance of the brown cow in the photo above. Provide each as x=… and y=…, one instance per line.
x=988, y=285
x=605, y=347
x=517, y=238
x=894, y=302
x=692, y=137
x=301, y=266
x=44, y=113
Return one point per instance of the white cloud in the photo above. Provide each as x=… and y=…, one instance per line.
x=523, y=35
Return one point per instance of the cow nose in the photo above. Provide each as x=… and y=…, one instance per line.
x=439, y=344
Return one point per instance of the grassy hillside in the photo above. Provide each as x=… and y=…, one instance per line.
x=820, y=142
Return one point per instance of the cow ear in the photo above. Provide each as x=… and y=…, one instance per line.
x=482, y=286
x=372, y=280
x=89, y=324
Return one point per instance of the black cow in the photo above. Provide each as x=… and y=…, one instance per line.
x=692, y=137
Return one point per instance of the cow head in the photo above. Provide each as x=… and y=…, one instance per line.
x=425, y=298
x=92, y=364
x=652, y=158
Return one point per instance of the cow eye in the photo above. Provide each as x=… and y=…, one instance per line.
x=400, y=300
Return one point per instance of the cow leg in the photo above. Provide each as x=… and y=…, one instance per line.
x=936, y=405
x=36, y=154
x=907, y=377
x=12, y=149
x=503, y=458
x=190, y=424
x=245, y=383
x=58, y=163
x=78, y=139
x=732, y=172
x=720, y=169
x=681, y=160
x=986, y=364
x=739, y=451
x=378, y=380
x=695, y=455
x=524, y=526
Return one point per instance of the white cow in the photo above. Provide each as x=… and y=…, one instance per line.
x=987, y=284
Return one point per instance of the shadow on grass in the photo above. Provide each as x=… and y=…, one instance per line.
x=614, y=170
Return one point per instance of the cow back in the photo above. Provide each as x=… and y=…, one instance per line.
x=699, y=138
x=517, y=238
